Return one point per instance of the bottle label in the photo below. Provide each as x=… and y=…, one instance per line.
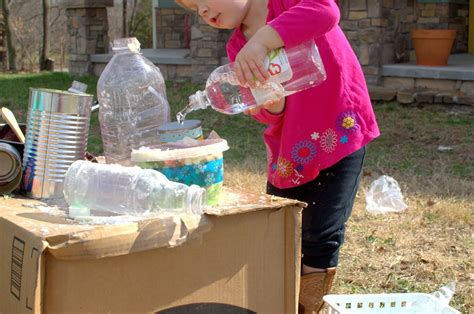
x=278, y=66
x=279, y=69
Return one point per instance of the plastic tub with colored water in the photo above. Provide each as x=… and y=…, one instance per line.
x=188, y=162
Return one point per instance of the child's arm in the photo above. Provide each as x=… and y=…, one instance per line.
x=305, y=20
x=272, y=113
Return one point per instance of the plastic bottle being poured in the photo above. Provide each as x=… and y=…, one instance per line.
x=291, y=70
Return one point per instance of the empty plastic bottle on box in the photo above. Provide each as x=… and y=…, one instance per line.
x=132, y=97
x=127, y=190
x=290, y=70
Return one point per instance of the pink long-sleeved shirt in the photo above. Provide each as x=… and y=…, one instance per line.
x=323, y=124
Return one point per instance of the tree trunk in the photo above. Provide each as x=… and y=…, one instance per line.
x=11, y=52
x=132, y=17
x=45, y=62
x=124, y=18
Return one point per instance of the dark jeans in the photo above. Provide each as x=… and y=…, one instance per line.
x=330, y=198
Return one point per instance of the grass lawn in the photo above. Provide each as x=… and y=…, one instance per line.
x=421, y=249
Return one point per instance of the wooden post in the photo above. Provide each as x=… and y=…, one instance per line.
x=471, y=27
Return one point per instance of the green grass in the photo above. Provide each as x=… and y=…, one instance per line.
x=14, y=94
x=14, y=88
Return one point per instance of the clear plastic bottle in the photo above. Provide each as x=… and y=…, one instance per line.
x=127, y=190
x=133, y=105
x=291, y=70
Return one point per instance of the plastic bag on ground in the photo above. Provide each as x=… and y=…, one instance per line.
x=445, y=293
x=384, y=196
x=443, y=296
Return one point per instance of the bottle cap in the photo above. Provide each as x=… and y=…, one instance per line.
x=196, y=198
x=130, y=43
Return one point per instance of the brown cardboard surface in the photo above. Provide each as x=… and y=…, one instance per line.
x=20, y=269
x=247, y=258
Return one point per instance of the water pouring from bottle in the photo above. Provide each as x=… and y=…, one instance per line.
x=299, y=68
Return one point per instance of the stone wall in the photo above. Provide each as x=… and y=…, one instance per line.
x=206, y=49
x=87, y=26
x=173, y=28
x=365, y=27
x=180, y=29
x=88, y=34
x=379, y=30
x=452, y=14
x=423, y=91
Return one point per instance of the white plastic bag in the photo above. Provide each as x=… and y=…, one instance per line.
x=445, y=293
x=384, y=196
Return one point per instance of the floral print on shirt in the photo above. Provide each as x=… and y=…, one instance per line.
x=305, y=151
x=347, y=122
x=329, y=140
x=284, y=167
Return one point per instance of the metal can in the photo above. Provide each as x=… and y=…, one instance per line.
x=58, y=127
x=10, y=168
x=175, y=131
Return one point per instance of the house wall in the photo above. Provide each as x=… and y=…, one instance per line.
x=180, y=29
x=439, y=14
x=379, y=30
x=207, y=49
x=87, y=28
x=365, y=25
x=173, y=28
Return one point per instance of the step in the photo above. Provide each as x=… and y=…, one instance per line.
x=422, y=96
x=460, y=67
x=157, y=56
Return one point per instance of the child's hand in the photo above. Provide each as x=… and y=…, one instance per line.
x=273, y=106
x=249, y=66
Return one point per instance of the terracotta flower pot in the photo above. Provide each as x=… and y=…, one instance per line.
x=433, y=46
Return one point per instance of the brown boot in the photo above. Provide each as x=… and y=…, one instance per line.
x=313, y=287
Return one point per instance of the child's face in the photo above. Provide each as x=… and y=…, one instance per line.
x=225, y=14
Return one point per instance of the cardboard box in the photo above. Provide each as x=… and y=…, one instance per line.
x=243, y=257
